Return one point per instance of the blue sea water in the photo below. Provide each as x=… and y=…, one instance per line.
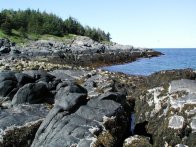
x=173, y=58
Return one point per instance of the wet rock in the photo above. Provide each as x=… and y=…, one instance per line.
x=19, y=124
x=53, y=84
x=7, y=83
x=87, y=125
x=70, y=97
x=62, y=84
x=32, y=93
x=7, y=75
x=6, y=87
x=23, y=79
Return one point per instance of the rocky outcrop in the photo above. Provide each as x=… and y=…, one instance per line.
x=169, y=109
x=19, y=124
x=5, y=46
x=75, y=118
x=100, y=122
x=32, y=93
x=80, y=51
x=84, y=120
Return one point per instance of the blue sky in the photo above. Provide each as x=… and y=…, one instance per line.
x=141, y=23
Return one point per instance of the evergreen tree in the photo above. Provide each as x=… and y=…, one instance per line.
x=36, y=22
x=6, y=27
x=108, y=37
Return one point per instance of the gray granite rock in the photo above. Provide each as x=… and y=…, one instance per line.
x=81, y=127
x=32, y=93
x=19, y=124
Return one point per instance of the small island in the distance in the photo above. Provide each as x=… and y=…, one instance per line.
x=52, y=92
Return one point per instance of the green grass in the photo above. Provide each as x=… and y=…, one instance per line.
x=57, y=38
x=15, y=37
x=18, y=38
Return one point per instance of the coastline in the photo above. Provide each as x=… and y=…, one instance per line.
x=42, y=90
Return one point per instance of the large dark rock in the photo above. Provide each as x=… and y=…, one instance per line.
x=32, y=93
x=5, y=50
x=19, y=124
x=5, y=45
x=7, y=83
x=53, y=84
x=89, y=124
x=7, y=75
x=6, y=87
x=23, y=79
x=5, y=42
x=71, y=97
x=40, y=75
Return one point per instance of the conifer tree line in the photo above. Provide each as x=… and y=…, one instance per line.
x=36, y=22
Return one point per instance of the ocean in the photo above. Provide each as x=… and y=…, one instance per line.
x=173, y=58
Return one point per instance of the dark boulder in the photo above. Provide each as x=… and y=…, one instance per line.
x=39, y=75
x=23, y=79
x=71, y=97
x=7, y=82
x=32, y=93
x=7, y=75
x=53, y=84
x=6, y=87
x=62, y=84
x=5, y=46
x=5, y=50
x=19, y=124
x=90, y=124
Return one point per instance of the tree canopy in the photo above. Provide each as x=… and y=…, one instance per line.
x=36, y=22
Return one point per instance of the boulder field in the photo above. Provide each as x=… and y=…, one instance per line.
x=93, y=108
x=67, y=113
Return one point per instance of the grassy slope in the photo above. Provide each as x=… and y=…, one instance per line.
x=19, y=38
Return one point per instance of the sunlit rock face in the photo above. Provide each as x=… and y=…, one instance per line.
x=137, y=141
x=171, y=113
x=176, y=122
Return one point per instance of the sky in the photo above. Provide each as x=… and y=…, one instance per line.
x=141, y=23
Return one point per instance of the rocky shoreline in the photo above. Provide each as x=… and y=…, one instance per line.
x=44, y=102
x=80, y=51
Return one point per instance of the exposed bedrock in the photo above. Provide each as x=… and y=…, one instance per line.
x=74, y=121
x=80, y=51
x=88, y=115
x=19, y=124
x=93, y=108
x=169, y=108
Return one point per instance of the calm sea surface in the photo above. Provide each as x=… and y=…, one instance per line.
x=173, y=59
